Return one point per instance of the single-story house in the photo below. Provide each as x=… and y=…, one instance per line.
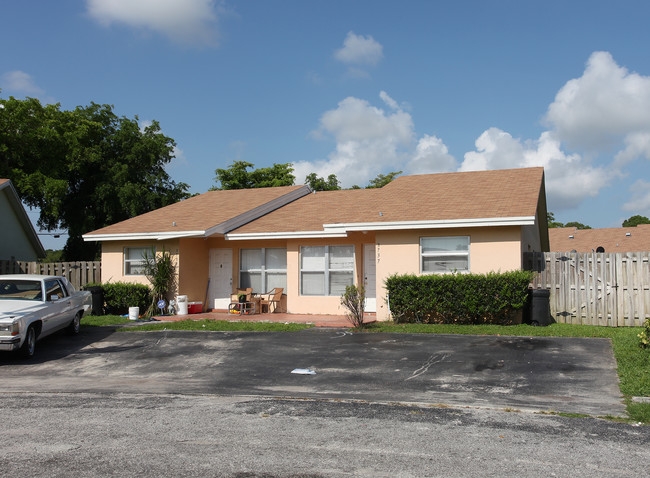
x=613, y=239
x=18, y=239
x=313, y=244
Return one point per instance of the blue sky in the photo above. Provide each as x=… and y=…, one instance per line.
x=358, y=88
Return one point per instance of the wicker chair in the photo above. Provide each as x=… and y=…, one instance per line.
x=271, y=298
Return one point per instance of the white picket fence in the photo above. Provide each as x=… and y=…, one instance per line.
x=610, y=289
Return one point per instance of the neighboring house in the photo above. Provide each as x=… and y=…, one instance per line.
x=313, y=244
x=18, y=239
x=615, y=239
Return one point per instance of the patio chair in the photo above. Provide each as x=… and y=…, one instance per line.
x=235, y=296
x=271, y=298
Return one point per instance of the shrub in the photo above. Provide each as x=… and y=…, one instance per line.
x=119, y=296
x=160, y=270
x=493, y=298
x=353, y=299
x=644, y=336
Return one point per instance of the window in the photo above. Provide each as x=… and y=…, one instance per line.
x=326, y=270
x=134, y=260
x=263, y=269
x=53, y=288
x=444, y=254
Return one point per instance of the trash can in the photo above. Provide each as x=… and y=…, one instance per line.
x=182, y=304
x=97, y=299
x=540, y=308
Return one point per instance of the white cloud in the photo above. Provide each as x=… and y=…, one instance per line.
x=369, y=141
x=640, y=202
x=431, y=156
x=570, y=179
x=20, y=82
x=603, y=107
x=636, y=145
x=183, y=21
x=360, y=50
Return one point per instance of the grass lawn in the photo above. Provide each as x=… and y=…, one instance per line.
x=217, y=325
x=102, y=320
x=633, y=361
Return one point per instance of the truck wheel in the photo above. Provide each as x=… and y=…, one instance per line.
x=29, y=345
x=75, y=325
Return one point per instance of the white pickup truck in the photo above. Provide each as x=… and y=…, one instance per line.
x=35, y=306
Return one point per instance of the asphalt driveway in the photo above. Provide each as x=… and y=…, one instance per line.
x=572, y=375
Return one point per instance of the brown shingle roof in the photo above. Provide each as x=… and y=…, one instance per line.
x=449, y=196
x=198, y=213
x=611, y=239
x=2, y=181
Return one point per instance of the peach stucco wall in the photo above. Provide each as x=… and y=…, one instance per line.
x=491, y=249
x=398, y=252
x=113, y=259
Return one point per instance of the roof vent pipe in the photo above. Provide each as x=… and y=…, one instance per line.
x=628, y=234
x=571, y=236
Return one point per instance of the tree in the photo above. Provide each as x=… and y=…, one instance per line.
x=320, y=184
x=635, y=221
x=577, y=225
x=552, y=223
x=237, y=176
x=382, y=180
x=85, y=168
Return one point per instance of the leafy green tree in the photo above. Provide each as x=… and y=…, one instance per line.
x=52, y=256
x=577, y=225
x=635, y=221
x=320, y=184
x=552, y=223
x=237, y=176
x=382, y=180
x=85, y=168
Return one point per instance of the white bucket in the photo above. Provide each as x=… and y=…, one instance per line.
x=134, y=313
x=181, y=301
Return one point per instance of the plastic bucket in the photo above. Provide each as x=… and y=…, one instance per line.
x=181, y=301
x=134, y=313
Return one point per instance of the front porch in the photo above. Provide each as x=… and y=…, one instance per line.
x=319, y=320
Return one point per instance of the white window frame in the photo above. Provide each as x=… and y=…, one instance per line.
x=327, y=270
x=442, y=254
x=128, y=263
x=263, y=269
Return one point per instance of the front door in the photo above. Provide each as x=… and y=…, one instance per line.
x=220, y=278
x=370, y=277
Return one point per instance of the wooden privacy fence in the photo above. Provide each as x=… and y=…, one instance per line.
x=611, y=289
x=78, y=273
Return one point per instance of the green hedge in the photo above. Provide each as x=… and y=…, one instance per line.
x=119, y=296
x=494, y=298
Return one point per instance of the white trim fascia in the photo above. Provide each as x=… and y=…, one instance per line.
x=138, y=236
x=439, y=224
x=283, y=235
x=341, y=230
x=257, y=212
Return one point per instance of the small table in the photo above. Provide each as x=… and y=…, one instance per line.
x=243, y=308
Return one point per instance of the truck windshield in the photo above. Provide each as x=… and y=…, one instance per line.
x=20, y=290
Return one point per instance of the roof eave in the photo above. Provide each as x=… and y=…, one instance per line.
x=342, y=230
x=437, y=224
x=139, y=236
x=22, y=216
